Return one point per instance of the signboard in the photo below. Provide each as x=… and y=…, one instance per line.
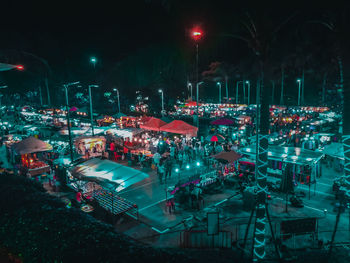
x=298, y=226
x=213, y=223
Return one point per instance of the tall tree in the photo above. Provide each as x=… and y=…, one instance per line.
x=260, y=34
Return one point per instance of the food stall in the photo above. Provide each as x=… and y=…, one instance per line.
x=109, y=179
x=306, y=165
x=90, y=146
x=29, y=152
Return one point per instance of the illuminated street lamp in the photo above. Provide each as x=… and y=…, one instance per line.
x=20, y=67
x=93, y=60
x=299, y=82
x=67, y=116
x=241, y=81
x=197, y=35
x=248, y=83
x=219, y=84
x=91, y=113
x=189, y=86
x=116, y=90
x=162, y=92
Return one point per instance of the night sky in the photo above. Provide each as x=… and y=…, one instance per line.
x=67, y=34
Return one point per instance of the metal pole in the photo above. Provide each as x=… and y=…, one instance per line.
x=41, y=97
x=162, y=102
x=68, y=125
x=299, y=93
x=91, y=113
x=282, y=83
x=197, y=105
x=226, y=86
x=248, y=93
x=237, y=92
x=47, y=90
x=118, y=101
x=273, y=92
x=243, y=84
x=220, y=92
x=197, y=78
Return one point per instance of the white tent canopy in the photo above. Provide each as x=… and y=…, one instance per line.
x=102, y=170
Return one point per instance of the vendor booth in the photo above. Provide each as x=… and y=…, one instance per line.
x=180, y=127
x=30, y=159
x=305, y=168
x=154, y=124
x=101, y=180
x=90, y=146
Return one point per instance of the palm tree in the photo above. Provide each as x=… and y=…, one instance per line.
x=337, y=25
x=260, y=35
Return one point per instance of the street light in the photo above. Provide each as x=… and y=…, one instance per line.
x=189, y=85
x=162, y=92
x=91, y=113
x=67, y=116
x=93, y=60
x=197, y=101
x=2, y=87
x=116, y=90
x=241, y=81
x=299, y=82
x=219, y=84
x=248, y=83
x=20, y=67
x=196, y=35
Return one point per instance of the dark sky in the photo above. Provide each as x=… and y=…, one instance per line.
x=59, y=30
x=70, y=32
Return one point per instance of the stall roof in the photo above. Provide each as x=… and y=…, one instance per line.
x=153, y=124
x=31, y=145
x=180, y=127
x=288, y=154
x=105, y=170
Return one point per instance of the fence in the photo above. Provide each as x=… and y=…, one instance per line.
x=201, y=239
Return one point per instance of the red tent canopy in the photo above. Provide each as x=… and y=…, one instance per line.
x=180, y=127
x=153, y=124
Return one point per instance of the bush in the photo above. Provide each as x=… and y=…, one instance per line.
x=40, y=228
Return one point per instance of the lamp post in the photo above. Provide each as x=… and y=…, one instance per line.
x=2, y=87
x=197, y=101
x=91, y=113
x=93, y=60
x=237, y=90
x=162, y=93
x=196, y=36
x=248, y=83
x=116, y=90
x=189, y=86
x=219, y=84
x=67, y=116
x=299, y=82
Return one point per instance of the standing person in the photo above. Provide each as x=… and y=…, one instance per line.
x=156, y=158
x=168, y=167
x=180, y=159
x=161, y=171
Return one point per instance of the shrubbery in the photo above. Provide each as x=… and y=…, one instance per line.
x=40, y=228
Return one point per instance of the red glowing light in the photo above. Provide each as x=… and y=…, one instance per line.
x=19, y=67
x=196, y=34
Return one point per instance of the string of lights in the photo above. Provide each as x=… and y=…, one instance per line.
x=346, y=143
x=260, y=225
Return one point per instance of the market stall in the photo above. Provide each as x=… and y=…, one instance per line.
x=29, y=151
x=90, y=146
x=305, y=164
x=154, y=124
x=180, y=127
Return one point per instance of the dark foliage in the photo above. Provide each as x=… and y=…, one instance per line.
x=40, y=228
